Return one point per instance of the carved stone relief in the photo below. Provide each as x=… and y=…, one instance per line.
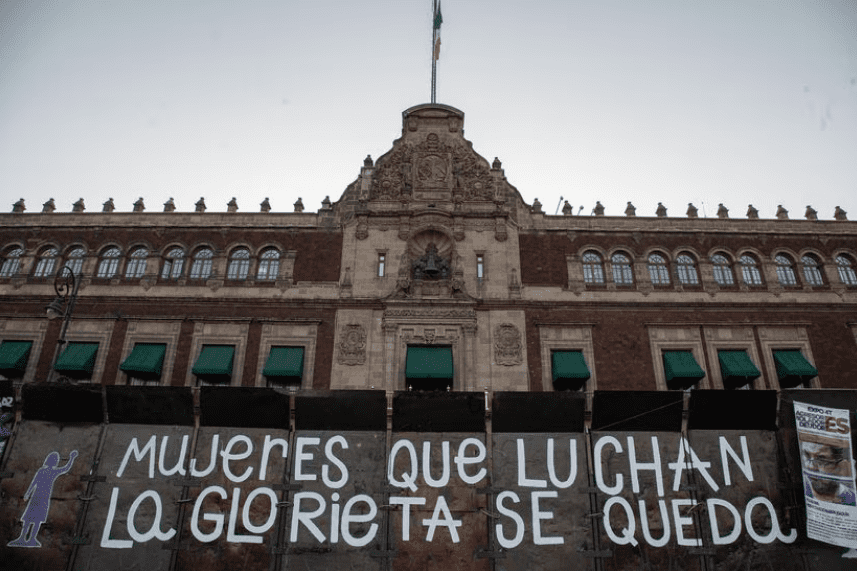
x=507, y=345
x=433, y=165
x=352, y=345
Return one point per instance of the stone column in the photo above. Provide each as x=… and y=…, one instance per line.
x=469, y=372
x=390, y=356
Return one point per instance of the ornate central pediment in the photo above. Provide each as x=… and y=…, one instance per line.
x=433, y=162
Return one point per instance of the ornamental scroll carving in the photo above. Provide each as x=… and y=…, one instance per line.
x=433, y=165
x=507, y=345
x=352, y=345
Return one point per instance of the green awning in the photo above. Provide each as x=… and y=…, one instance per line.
x=429, y=363
x=681, y=369
x=78, y=359
x=14, y=356
x=214, y=361
x=737, y=368
x=569, y=365
x=793, y=368
x=146, y=360
x=285, y=362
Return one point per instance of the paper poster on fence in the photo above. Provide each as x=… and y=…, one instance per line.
x=824, y=438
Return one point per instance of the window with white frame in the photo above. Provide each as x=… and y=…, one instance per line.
x=750, y=270
x=785, y=270
x=11, y=262
x=812, y=270
x=136, y=266
x=845, y=267
x=46, y=263
x=269, y=264
x=686, y=270
x=173, y=264
x=200, y=268
x=722, y=270
x=239, y=264
x=659, y=272
x=74, y=260
x=593, y=268
x=109, y=263
x=621, y=267
x=382, y=264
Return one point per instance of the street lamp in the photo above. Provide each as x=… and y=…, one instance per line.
x=65, y=286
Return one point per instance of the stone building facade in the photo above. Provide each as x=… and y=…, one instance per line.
x=430, y=274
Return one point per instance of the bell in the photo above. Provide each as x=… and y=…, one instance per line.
x=431, y=270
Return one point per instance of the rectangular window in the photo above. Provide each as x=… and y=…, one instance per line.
x=429, y=368
x=737, y=369
x=681, y=371
x=143, y=366
x=793, y=370
x=382, y=263
x=480, y=266
x=284, y=367
x=214, y=364
x=13, y=358
x=569, y=370
x=77, y=361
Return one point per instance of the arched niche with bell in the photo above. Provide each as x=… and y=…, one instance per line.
x=431, y=265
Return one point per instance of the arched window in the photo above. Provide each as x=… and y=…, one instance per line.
x=812, y=271
x=846, y=270
x=136, y=263
x=659, y=273
x=722, y=270
x=750, y=270
x=109, y=263
x=593, y=269
x=686, y=267
x=11, y=262
x=74, y=260
x=269, y=265
x=200, y=269
x=239, y=264
x=46, y=264
x=621, y=266
x=785, y=270
x=173, y=264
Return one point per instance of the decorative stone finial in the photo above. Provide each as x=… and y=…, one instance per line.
x=139, y=206
x=722, y=211
x=49, y=206
x=839, y=214
x=19, y=207
x=811, y=213
x=692, y=211
x=200, y=204
x=325, y=204
x=265, y=206
x=78, y=206
x=599, y=208
x=752, y=213
x=170, y=205
x=496, y=165
x=299, y=205
x=567, y=209
x=232, y=205
x=661, y=211
x=630, y=210
x=782, y=213
x=367, y=162
x=537, y=206
x=108, y=206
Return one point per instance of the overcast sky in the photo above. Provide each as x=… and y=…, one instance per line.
x=703, y=101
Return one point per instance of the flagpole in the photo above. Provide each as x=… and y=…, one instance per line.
x=431, y=52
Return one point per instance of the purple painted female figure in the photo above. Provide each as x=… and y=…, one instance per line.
x=39, y=494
